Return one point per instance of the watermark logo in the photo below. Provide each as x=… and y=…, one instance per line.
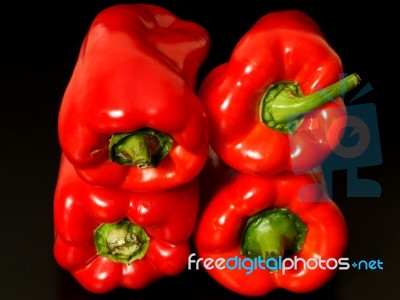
x=359, y=147
x=273, y=264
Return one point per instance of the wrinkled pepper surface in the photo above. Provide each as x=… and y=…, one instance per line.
x=108, y=239
x=129, y=118
x=254, y=223
x=276, y=104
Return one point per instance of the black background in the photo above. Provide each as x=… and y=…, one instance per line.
x=39, y=46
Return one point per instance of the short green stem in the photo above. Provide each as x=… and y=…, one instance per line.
x=283, y=106
x=121, y=242
x=273, y=233
x=143, y=148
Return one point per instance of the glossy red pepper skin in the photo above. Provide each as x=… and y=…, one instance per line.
x=281, y=46
x=236, y=197
x=168, y=217
x=137, y=68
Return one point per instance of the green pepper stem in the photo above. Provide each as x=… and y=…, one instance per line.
x=272, y=233
x=121, y=242
x=143, y=148
x=283, y=105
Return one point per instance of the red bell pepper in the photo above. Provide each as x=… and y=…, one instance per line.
x=130, y=118
x=251, y=229
x=266, y=109
x=107, y=238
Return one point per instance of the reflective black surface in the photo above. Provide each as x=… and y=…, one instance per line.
x=39, y=45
